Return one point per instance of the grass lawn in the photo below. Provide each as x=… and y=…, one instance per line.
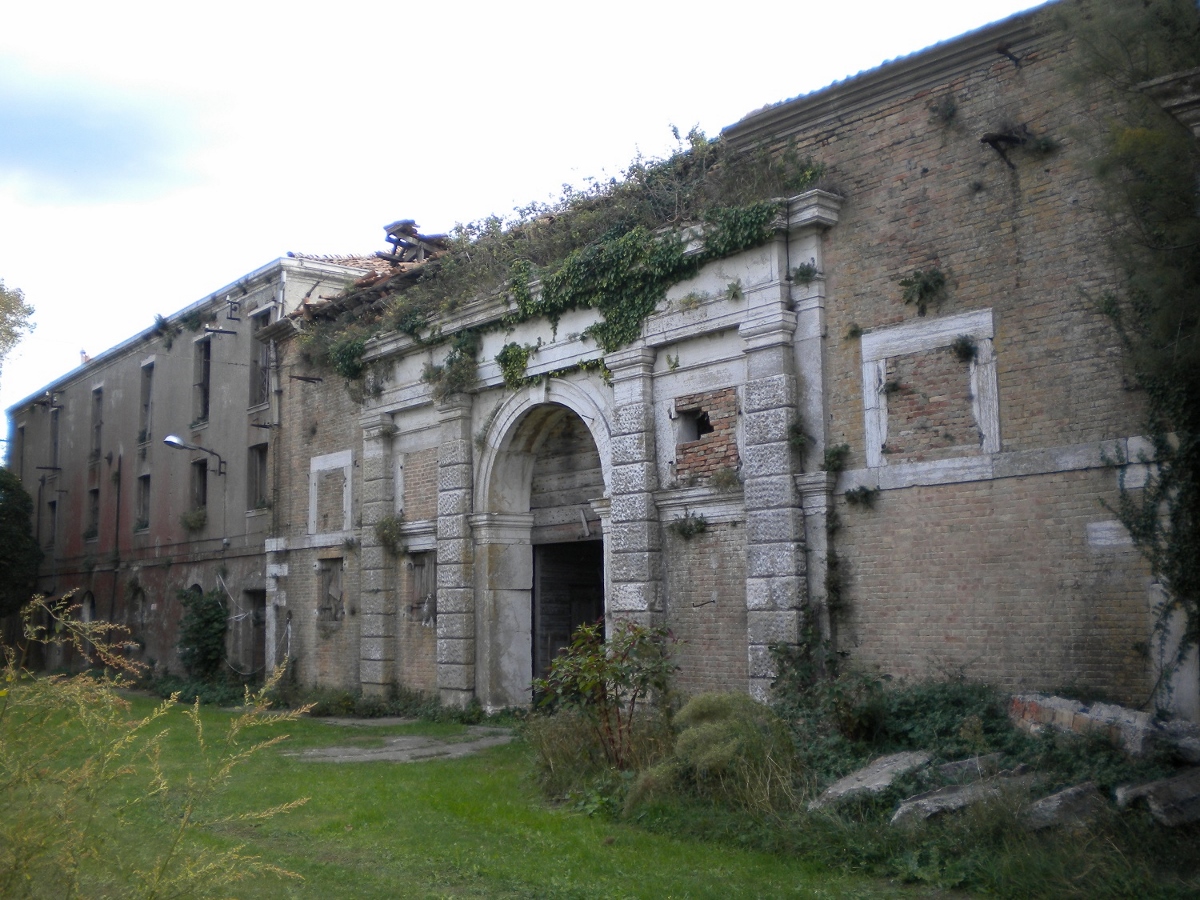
x=471, y=827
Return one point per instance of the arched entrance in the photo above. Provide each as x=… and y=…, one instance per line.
x=539, y=544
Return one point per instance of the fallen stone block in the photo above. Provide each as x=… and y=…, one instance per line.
x=1184, y=738
x=1172, y=801
x=954, y=797
x=1072, y=808
x=871, y=779
x=974, y=768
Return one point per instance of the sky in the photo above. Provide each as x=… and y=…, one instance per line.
x=153, y=152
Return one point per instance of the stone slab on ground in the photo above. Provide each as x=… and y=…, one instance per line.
x=973, y=768
x=407, y=747
x=1071, y=808
x=954, y=797
x=1172, y=801
x=871, y=779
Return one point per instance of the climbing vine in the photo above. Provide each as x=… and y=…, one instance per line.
x=614, y=247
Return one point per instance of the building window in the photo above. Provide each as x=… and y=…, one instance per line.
x=19, y=453
x=97, y=423
x=92, y=527
x=201, y=380
x=51, y=522
x=257, y=487
x=260, y=360
x=423, y=588
x=200, y=484
x=147, y=393
x=54, y=438
x=330, y=604
x=142, y=510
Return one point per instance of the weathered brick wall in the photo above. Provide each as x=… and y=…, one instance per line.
x=697, y=460
x=318, y=419
x=995, y=580
x=420, y=485
x=706, y=608
x=929, y=408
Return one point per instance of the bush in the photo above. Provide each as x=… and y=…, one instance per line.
x=605, y=681
x=731, y=749
x=202, y=633
x=73, y=767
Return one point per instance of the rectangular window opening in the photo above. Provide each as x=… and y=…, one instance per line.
x=260, y=360
x=257, y=486
x=92, y=527
x=147, y=394
x=97, y=423
x=200, y=484
x=141, y=519
x=201, y=380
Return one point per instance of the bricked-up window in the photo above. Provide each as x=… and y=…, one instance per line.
x=257, y=486
x=147, y=395
x=141, y=510
x=92, y=526
x=97, y=423
x=423, y=587
x=705, y=434
x=201, y=379
x=200, y=484
x=260, y=360
x=330, y=602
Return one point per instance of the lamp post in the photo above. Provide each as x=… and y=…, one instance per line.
x=174, y=440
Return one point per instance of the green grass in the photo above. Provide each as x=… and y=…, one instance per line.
x=473, y=827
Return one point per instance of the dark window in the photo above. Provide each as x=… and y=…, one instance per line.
x=257, y=486
x=147, y=394
x=201, y=380
x=97, y=422
x=142, y=510
x=92, y=529
x=51, y=522
x=423, y=595
x=19, y=453
x=200, y=484
x=54, y=437
x=260, y=360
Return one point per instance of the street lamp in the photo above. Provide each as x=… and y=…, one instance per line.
x=174, y=440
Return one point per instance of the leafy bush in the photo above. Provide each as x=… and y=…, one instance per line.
x=605, y=682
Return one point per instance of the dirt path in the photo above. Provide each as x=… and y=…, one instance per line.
x=406, y=747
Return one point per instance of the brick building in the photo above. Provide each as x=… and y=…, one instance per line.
x=127, y=521
x=787, y=446
x=966, y=531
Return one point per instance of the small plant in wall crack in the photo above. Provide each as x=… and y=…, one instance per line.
x=836, y=458
x=725, y=479
x=923, y=287
x=389, y=531
x=964, y=348
x=862, y=496
x=805, y=273
x=689, y=525
x=513, y=359
x=194, y=519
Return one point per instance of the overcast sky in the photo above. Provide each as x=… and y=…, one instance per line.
x=153, y=152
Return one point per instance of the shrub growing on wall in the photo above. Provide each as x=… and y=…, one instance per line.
x=202, y=633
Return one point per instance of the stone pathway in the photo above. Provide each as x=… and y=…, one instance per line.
x=406, y=747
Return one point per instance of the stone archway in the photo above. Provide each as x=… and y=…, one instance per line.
x=543, y=477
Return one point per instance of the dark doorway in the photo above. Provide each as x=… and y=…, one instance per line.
x=568, y=591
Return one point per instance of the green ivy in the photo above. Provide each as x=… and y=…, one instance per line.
x=513, y=359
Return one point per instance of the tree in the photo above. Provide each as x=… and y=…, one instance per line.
x=19, y=550
x=14, y=318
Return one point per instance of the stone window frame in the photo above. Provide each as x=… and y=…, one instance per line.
x=320, y=465
x=879, y=346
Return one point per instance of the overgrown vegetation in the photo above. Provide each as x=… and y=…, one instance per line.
x=615, y=247
x=389, y=531
x=1148, y=164
x=76, y=772
x=202, y=633
x=20, y=554
x=923, y=287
